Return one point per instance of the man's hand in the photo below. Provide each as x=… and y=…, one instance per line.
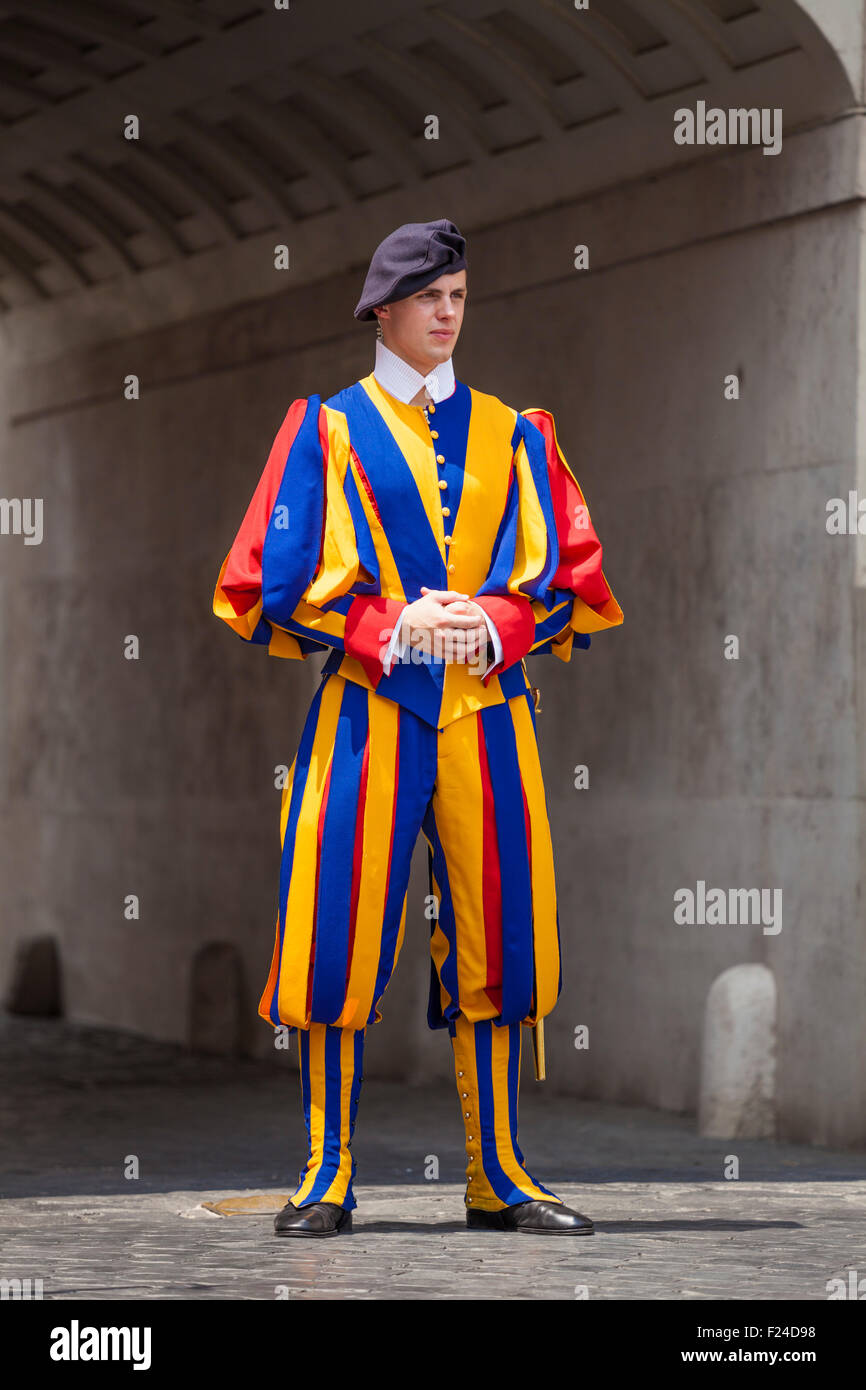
x=447, y=623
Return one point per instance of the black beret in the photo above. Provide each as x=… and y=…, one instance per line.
x=409, y=259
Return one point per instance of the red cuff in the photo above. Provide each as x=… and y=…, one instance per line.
x=515, y=623
x=370, y=624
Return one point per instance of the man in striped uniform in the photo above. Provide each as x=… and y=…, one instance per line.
x=430, y=537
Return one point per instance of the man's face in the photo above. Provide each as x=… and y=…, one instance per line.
x=424, y=328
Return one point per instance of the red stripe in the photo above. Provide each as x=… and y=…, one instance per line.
x=365, y=481
x=394, y=807
x=529, y=861
x=319, y=833
x=243, y=573
x=358, y=854
x=369, y=624
x=324, y=442
x=580, y=556
x=491, y=880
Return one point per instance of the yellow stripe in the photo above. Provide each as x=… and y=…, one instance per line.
x=243, y=623
x=316, y=621
x=486, y=473
x=500, y=1054
x=542, y=868
x=389, y=578
x=409, y=428
x=282, y=643
x=438, y=939
x=317, y=1110
x=583, y=619
x=294, y=967
x=339, y=565
x=383, y=726
x=337, y=1191
x=542, y=614
x=531, y=548
x=458, y=806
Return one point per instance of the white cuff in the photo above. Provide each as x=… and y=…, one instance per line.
x=397, y=645
x=495, y=639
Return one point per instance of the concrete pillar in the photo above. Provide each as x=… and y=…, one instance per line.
x=738, y=1062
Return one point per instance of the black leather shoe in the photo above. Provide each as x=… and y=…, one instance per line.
x=534, y=1218
x=316, y=1219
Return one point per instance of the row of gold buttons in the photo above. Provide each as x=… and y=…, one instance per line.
x=469, y=1138
x=440, y=459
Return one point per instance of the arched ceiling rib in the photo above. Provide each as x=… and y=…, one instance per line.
x=254, y=119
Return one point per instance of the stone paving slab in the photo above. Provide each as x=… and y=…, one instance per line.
x=75, y=1104
x=755, y=1241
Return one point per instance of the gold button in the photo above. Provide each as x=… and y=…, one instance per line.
x=446, y=511
x=447, y=540
x=465, y=1095
x=471, y=1137
x=440, y=458
x=451, y=569
x=468, y=1116
x=432, y=408
x=469, y=1199
x=460, y=1073
x=434, y=434
x=442, y=484
x=469, y=1179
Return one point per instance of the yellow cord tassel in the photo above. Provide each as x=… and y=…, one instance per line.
x=538, y=1049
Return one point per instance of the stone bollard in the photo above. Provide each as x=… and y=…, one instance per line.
x=738, y=1061
x=36, y=987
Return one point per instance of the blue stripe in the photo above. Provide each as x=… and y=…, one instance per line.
x=261, y=633
x=330, y=967
x=299, y=782
x=517, y=926
x=364, y=539
x=436, y=1018
x=514, y=1046
x=290, y=554
x=418, y=747
x=581, y=639
x=505, y=546
x=451, y=422
x=318, y=642
x=513, y=681
x=417, y=685
x=304, y=1059
x=501, y=1183
x=401, y=509
x=550, y=627
x=536, y=453
x=330, y=1103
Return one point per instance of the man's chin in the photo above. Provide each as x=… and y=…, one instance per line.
x=440, y=352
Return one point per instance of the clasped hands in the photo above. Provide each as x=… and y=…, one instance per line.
x=448, y=623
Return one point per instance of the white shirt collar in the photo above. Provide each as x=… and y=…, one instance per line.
x=402, y=381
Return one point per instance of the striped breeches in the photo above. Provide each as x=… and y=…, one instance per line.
x=368, y=777
x=487, y=1072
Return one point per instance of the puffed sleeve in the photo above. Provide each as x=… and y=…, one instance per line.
x=545, y=588
x=302, y=564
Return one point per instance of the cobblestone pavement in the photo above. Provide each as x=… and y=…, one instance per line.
x=76, y=1103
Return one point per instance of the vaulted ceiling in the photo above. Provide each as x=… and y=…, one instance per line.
x=255, y=119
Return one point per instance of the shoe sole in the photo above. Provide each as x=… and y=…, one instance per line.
x=343, y=1228
x=474, y=1224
